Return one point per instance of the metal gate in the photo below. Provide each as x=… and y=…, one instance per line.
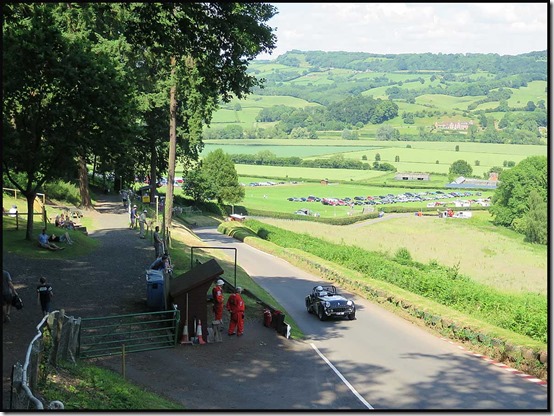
x=114, y=335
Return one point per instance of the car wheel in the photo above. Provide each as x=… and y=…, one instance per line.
x=352, y=316
x=308, y=307
x=321, y=314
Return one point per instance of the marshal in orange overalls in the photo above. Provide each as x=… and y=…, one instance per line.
x=235, y=305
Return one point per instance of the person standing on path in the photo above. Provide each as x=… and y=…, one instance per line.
x=8, y=292
x=142, y=223
x=44, y=296
x=235, y=305
x=158, y=244
x=133, y=216
x=217, y=294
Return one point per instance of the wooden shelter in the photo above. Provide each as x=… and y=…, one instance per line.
x=195, y=283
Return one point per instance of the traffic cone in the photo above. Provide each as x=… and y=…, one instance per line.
x=185, y=336
x=199, y=333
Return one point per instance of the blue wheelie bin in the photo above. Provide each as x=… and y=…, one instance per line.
x=155, y=294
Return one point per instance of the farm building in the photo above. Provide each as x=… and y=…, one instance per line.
x=462, y=182
x=412, y=177
x=453, y=125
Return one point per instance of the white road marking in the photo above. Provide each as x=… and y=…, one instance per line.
x=345, y=381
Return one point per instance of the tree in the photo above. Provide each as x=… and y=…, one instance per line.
x=65, y=97
x=388, y=133
x=216, y=41
x=534, y=223
x=457, y=149
x=219, y=170
x=510, y=199
x=460, y=168
x=197, y=185
x=377, y=157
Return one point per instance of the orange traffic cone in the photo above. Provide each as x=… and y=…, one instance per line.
x=185, y=336
x=199, y=333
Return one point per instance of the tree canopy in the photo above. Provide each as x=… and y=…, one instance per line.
x=460, y=168
x=510, y=202
x=218, y=168
x=88, y=82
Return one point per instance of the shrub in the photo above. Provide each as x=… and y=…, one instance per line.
x=63, y=191
x=403, y=256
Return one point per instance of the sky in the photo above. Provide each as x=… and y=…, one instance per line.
x=503, y=28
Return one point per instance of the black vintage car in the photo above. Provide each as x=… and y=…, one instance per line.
x=325, y=302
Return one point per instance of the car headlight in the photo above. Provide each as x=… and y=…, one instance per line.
x=350, y=303
x=327, y=304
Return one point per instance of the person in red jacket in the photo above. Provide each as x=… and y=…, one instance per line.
x=217, y=294
x=235, y=305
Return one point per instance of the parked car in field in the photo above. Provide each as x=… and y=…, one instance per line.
x=325, y=302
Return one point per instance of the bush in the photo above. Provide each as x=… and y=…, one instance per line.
x=403, y=256
x=62, y=191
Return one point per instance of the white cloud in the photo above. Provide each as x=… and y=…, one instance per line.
x=504, y=28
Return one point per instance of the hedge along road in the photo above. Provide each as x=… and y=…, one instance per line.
x=385, y=361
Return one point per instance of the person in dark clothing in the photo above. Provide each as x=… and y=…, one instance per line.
x=158, y=244
x=8, y=292
x=44, y=295
x=161, y=263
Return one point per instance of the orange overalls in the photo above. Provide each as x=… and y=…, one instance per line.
x=217, y=293
x=235, y=305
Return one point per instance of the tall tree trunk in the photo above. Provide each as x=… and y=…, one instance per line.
x=94, y=169
x=30, y=196
x=172, y=147
x=86, y=201
x=153, y=163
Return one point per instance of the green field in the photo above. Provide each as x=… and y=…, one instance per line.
x=491, y=255
x=285, y=172
x=274, y=198
x=282, y=151
x=420, y=157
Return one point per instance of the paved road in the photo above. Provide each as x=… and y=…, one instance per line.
x=387, y=362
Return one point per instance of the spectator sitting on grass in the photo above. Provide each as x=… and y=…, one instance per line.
x=44, y=243
x=64, y=238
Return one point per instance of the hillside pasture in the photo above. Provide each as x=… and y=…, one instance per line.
x=420, y=157
x=314, y=174
x=313, y=78
x=490, y=255
x=263, y=101
x=303, y=151
x=534, y=91
x=446, y=102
